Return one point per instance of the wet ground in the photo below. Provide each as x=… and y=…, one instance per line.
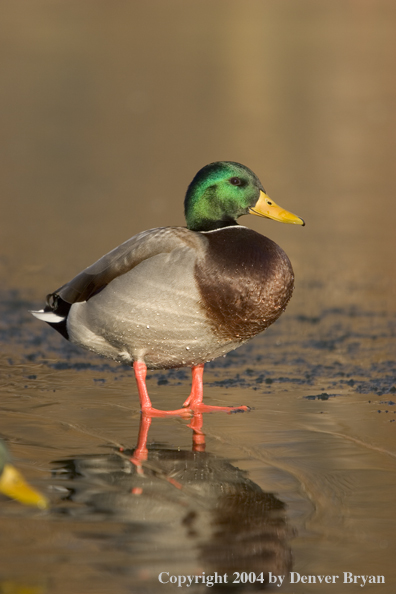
x=107, y=116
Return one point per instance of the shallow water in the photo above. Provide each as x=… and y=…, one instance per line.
x=97, y=118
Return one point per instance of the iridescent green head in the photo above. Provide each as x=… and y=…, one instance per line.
x=222, y=192
x=219, y=194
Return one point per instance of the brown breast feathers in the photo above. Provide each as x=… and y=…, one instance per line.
x=245, y=281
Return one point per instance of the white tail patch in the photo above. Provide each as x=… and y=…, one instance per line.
x=48, y=316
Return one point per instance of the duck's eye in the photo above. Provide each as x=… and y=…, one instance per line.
x=236, y=181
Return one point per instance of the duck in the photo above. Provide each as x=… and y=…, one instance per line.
x=177, y=296
x=13, y=485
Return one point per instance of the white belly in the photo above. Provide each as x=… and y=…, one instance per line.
x=152, y=314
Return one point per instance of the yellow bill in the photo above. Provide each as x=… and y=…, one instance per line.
x=265, y=207
x=14, y=485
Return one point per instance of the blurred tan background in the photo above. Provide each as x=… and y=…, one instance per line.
x=108, y=109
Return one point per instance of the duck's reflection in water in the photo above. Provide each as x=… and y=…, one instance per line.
x=183, y=513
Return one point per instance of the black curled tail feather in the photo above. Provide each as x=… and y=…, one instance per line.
x=61, y=308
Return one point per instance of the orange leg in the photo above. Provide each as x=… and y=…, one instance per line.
x=195, y=400
x=140, y=370
x=196, y=394
x=193, y=404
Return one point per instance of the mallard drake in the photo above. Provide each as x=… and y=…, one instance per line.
x=14, y=485
x=176, y=296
